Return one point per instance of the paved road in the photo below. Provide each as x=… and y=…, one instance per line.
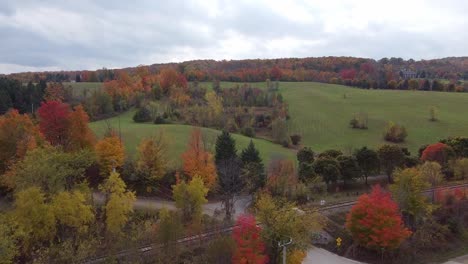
x=240, y=205
x=459, y=260
x=322, y=256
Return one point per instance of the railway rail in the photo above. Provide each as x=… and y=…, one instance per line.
x=211, y=233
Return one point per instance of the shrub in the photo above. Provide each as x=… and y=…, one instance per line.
x=296, y=139
x=142, y=115
x=248, y=132
x=160, y=120
x=395, y=133
x=432, y=114
x=359, y=121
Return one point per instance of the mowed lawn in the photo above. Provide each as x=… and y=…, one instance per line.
x=321, y=114
x=178, y=137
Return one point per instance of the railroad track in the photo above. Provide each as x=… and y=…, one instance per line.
x=208, y=234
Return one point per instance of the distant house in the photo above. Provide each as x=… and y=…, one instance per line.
x=407, y=74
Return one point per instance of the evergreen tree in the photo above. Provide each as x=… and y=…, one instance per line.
x=225, y=147
x=229, y=173
x=253, y=170
x=5, y=102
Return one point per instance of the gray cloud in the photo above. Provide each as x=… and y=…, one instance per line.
x=88, y=34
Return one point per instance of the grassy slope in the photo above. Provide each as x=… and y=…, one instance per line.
x=78, y=87
x=178, y=136
x=321, y=114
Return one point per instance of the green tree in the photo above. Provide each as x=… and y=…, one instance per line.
x=305, y=155
x=328, y=168
x=51, y=169
x=407, y=192
x=253, y=170
x=305, y=158
x=368, y=161
x=228, y=165
x=119, y=203
x=349, y=168
x=225, y=147
x=8, y=247
x=190, y=198
x=391, y=157
x=332, y=153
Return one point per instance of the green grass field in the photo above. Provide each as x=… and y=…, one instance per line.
x=79, y=87
x=178, y=136
x=321, y=114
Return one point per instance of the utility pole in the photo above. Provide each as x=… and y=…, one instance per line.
x=284, y=248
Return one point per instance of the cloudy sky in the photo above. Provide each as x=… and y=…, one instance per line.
x=87, y=34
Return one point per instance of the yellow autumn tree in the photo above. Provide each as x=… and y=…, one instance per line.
x=198, y=161
x=71, y=210
x=152, y=157
x=119, y=204
x=34, y=218
x=215, y=106
x=190, y=198
x=110, y=154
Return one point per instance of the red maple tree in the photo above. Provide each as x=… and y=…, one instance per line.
x=53, y=121
x=438, y=152
x=250, y=248
x=375, y=221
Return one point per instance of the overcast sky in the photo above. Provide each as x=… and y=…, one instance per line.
x=87, y=34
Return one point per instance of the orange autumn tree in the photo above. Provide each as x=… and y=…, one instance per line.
x=54, y=92
x=198, y=161
x=79, y=134
x=169, y=77
x=18, y=134
x=375, y=221
x=110, y=154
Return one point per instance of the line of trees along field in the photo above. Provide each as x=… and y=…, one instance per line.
x=360, y=72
